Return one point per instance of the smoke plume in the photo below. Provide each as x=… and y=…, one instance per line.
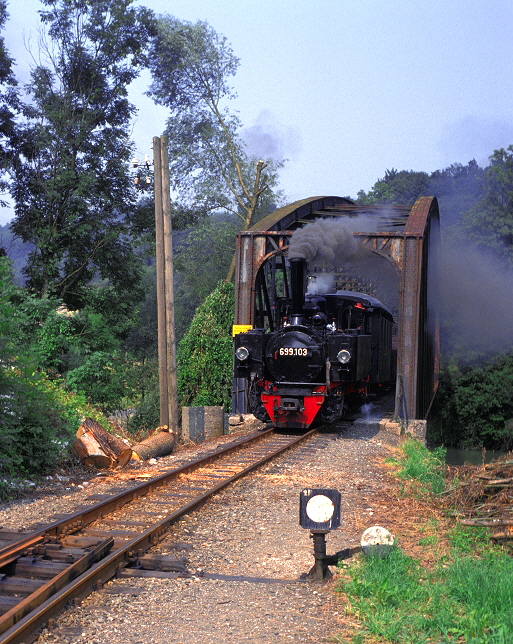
x=329, y=244
x=270, y=139
x=326, y=242
x=476, y=304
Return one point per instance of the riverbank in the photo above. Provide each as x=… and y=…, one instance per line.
x=464, y=594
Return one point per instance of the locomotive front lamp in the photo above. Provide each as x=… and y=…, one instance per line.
x=241, y=353
x=343, y=356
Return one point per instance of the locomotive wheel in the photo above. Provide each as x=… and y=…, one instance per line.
x=332, y=409
x=256, y=406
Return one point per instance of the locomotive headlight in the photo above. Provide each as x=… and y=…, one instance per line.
x=242, y=353
x=343, y=356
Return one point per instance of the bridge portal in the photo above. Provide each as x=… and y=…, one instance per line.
x=400, y=247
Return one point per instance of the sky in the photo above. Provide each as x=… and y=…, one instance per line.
x=345, y=89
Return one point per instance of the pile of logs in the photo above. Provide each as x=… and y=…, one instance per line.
x=98, y=448
x=483, y=496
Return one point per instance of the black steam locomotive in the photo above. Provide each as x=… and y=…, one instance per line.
x=327, y=350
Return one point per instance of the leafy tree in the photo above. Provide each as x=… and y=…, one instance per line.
x=38, y=417
x=210, y=169
x=201, y=260
x=72, y=188
x=490, y=222
x=457, y=188
x=9, y=103
x=475, y=404
x=396, y=187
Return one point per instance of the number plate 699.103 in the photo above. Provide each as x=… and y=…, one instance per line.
x=294, y=351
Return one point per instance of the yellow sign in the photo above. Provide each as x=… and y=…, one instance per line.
x=241, y=328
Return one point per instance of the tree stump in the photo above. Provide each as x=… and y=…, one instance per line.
x=95, y=447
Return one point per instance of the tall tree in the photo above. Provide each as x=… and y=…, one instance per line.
x=399, y=187
x=9, y=104
x=72, y=187
x=490, y=222
x=210, y=169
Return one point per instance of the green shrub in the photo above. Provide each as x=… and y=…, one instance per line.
x=38, y=421
x=204, y=357
x=147, y=416
x=475, y=405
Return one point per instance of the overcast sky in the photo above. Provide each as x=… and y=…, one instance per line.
x=346, y=89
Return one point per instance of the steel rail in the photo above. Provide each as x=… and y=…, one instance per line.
x=83, y=517
x=29, y=625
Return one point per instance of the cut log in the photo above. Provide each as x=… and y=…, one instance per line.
x=159, y=444
x=95, y=447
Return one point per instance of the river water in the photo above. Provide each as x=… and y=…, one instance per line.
x=457, y=456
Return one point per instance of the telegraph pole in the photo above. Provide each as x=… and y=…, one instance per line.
x=165, y=293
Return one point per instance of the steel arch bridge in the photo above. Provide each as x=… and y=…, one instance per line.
x=407, y=241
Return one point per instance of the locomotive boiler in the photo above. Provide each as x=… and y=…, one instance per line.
x=329, y=349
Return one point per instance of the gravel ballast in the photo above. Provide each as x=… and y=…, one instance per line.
x=250, y=530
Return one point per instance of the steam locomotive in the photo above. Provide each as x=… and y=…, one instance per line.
x=329, y=349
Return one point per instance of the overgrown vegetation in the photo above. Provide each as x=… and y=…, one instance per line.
x=422, y=466
x=475, y=404
x=204, y=356
x=466, y=596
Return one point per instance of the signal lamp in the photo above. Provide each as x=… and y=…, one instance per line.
x=241, y=353
x=343, y=356
x=319, y=509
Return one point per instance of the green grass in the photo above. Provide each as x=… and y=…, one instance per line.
x=467, y=597
x=419, y=464
x=397, y=600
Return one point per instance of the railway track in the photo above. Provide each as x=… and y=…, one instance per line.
x=43, y=571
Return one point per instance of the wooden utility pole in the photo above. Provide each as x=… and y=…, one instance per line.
x=165, y=293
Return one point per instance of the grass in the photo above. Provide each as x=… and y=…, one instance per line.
x=466, y=597
x=424, y=467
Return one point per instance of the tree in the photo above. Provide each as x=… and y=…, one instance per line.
x=396, y=187
x=205, y=352
x=210, y=169
x=490, y=222
x=72, y=188
x=457, y=189
x=9, y=103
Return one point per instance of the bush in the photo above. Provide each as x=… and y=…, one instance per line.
x=204, y=357
x=38, y=422
x=475, y=405
x=147, y=416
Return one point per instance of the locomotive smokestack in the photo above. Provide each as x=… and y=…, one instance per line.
x=298, y=287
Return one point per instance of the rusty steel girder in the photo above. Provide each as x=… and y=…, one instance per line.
x=409, y=241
